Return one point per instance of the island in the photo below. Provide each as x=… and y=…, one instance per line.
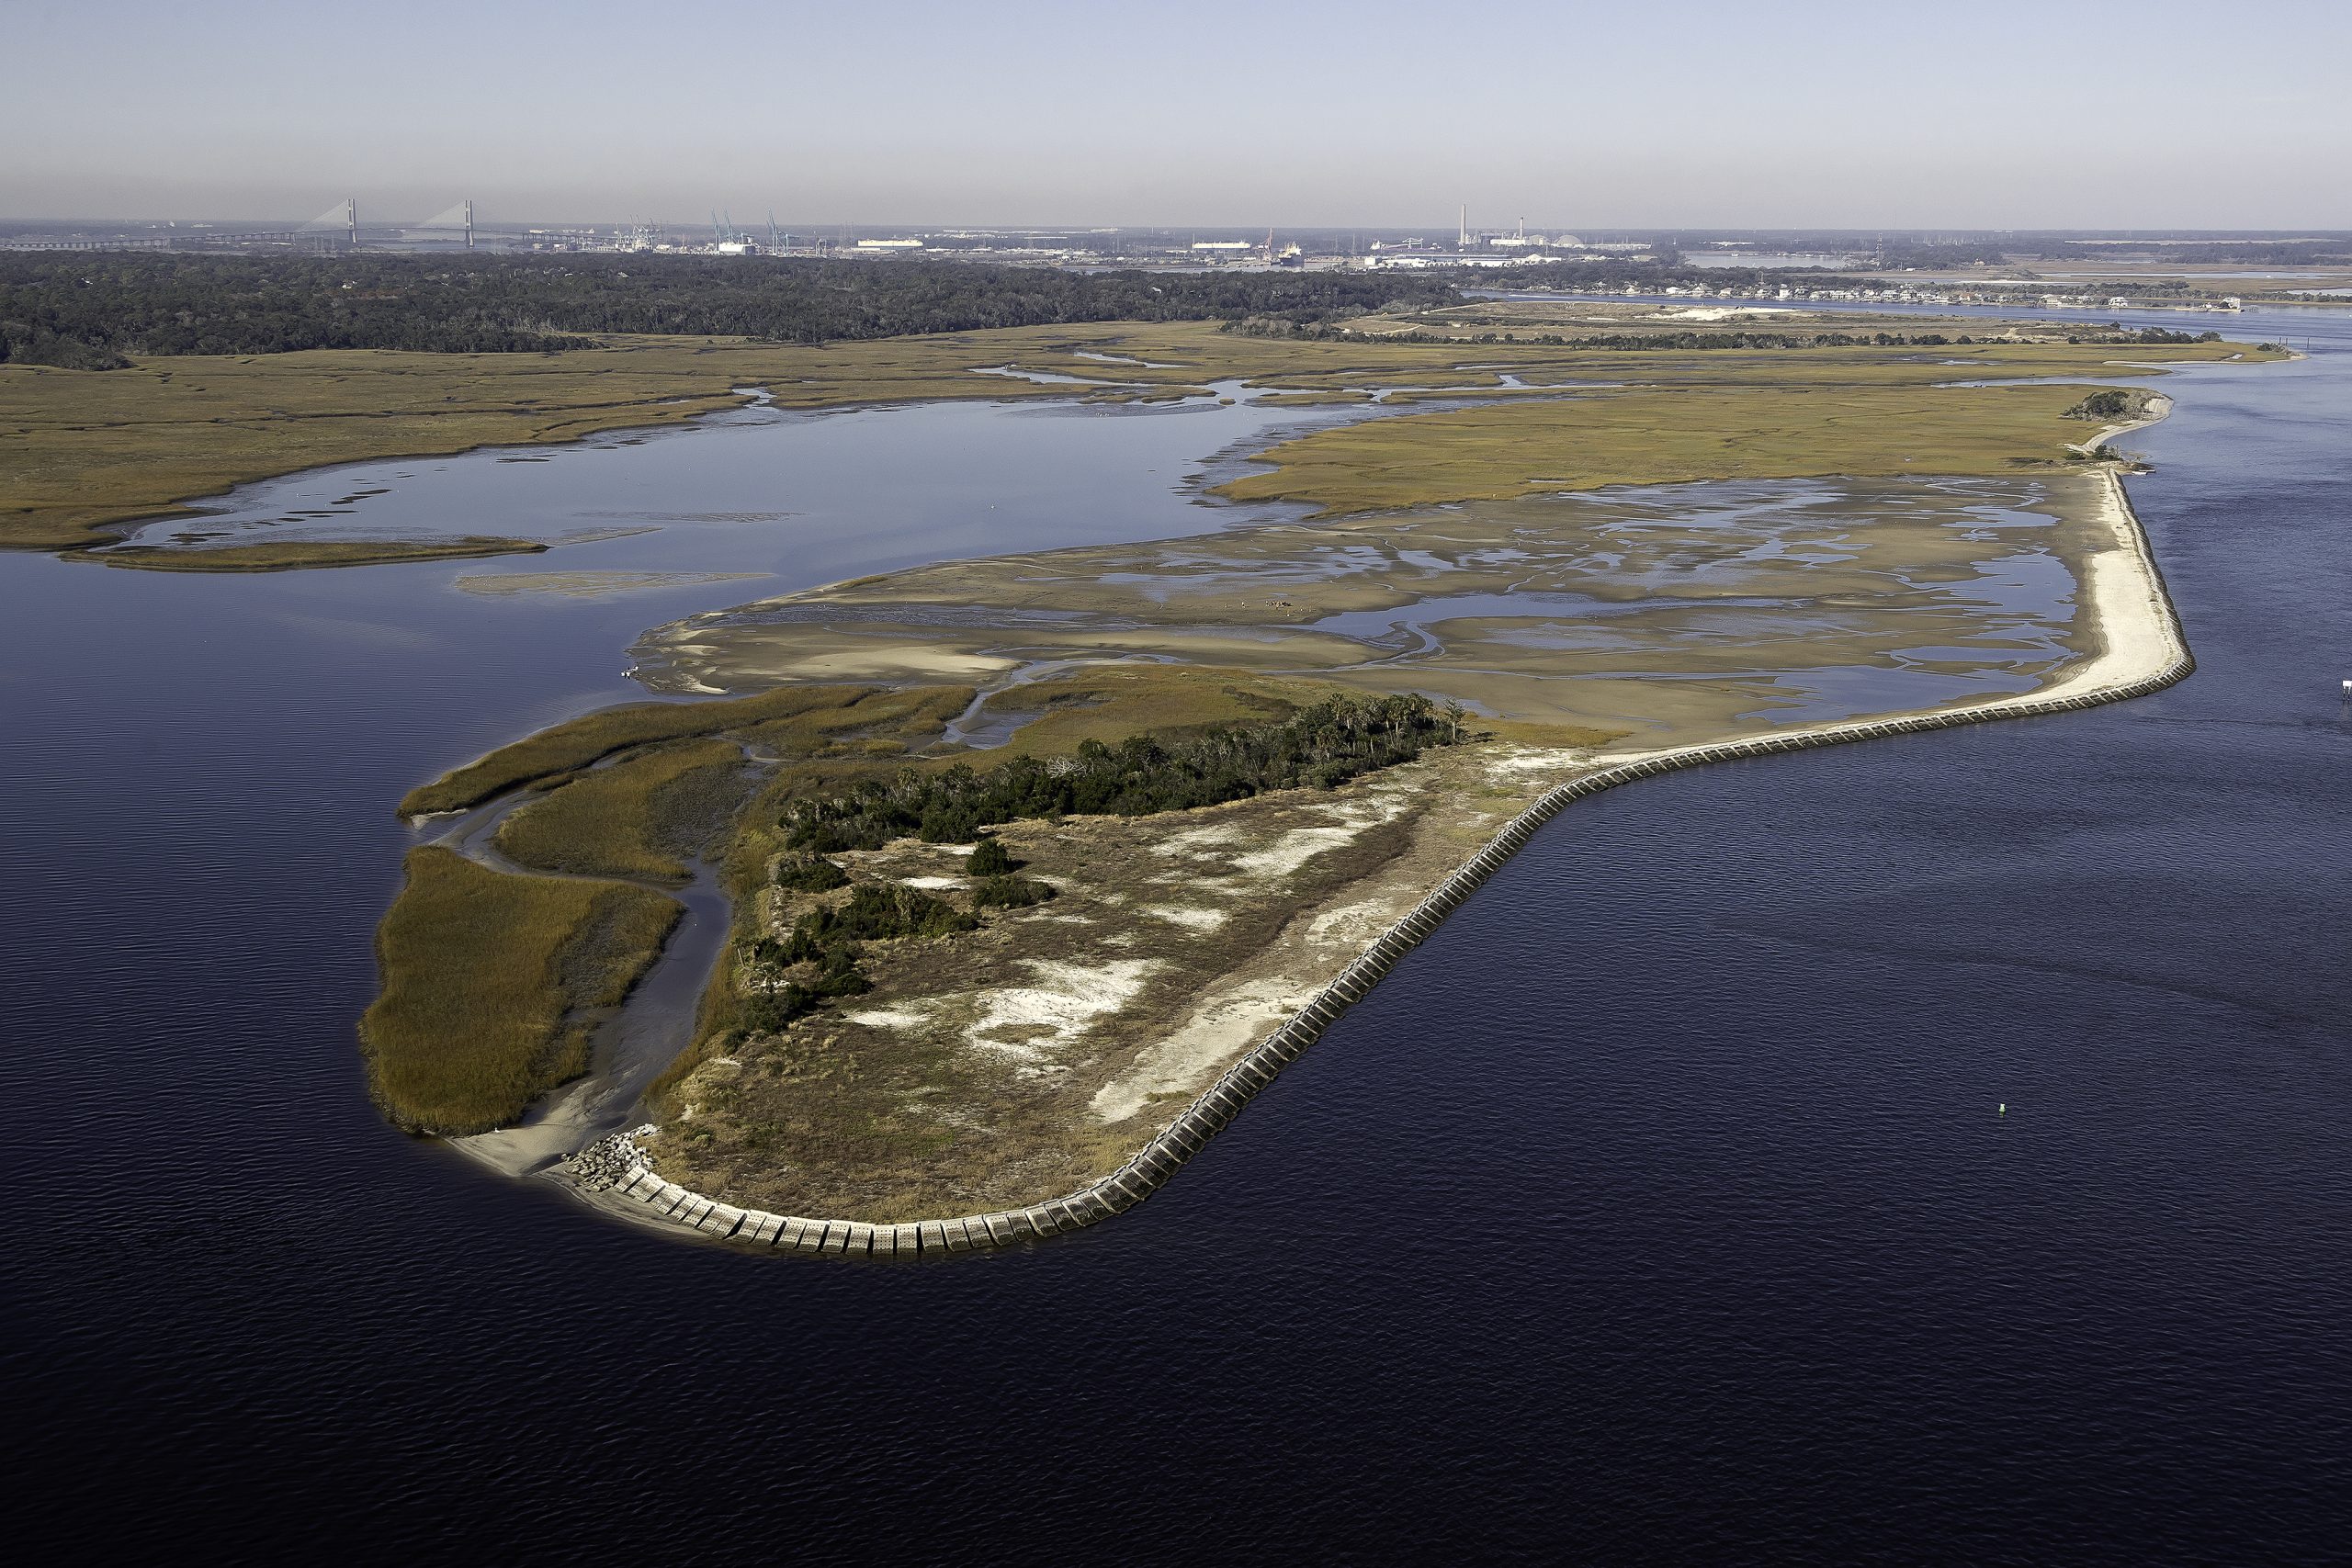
x=1040, y=865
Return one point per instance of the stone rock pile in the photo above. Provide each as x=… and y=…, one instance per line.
x=607, y=1162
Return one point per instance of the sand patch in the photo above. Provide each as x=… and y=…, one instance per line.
x=1220, y=1028
x=908, y=1016
x=1355, y=926
x=1197, y=841
x=899, y=662
x=1192, y=918
x=1067, y=999
x=1294, y=849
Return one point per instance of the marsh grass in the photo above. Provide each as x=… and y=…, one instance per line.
x=576, y=743
x=486, y=978
x=642, y=816
x=81, y=449
x=1502, y=451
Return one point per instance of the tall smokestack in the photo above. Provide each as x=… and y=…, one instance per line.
x=1464, y=243
x=469, y=225
x=351, y=220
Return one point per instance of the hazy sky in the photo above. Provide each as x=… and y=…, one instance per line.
x=2049, y=114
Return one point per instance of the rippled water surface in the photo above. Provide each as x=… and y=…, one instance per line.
x=1656, y=1210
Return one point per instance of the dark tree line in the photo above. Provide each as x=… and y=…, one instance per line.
x=1325, y=745
x=784, y=980
x=87, y=310
x=823, y=951
x=91, y=309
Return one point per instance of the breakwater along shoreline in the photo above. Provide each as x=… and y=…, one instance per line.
x=2140, y=649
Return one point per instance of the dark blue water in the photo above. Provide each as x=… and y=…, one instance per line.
x=1655, y=1210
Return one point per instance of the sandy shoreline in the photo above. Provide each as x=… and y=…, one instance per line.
x=2123, y=610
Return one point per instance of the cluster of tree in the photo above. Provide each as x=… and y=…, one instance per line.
x=35, y=343
x=2245, y=253
x=1897, y=253
x=2109, y=403
x=875, y=912
x=91, y=309
x=997, y=887
x=824, y=950
x=810, y=874
x=1325, y=745
x=1010, y=892
x=777, y=1002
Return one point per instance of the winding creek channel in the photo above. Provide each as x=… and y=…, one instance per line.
x=1655, y=1209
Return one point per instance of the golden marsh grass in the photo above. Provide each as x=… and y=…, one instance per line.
x=485, y=977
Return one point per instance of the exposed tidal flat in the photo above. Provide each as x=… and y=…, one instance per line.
x=1660, y=1191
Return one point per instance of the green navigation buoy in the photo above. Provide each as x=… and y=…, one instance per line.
x=2005, y=1108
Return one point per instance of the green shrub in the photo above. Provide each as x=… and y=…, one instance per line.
x=988, y=859
x=1011, y=893
x=2109, y=403
x=810, y=874
x=875, y=913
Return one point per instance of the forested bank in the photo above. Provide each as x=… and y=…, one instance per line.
x=96, y=311
x=91, y=311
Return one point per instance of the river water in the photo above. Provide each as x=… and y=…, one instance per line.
x=1656, y=1210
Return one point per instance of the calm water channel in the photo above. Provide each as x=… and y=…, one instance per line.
x=1655, y=1210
